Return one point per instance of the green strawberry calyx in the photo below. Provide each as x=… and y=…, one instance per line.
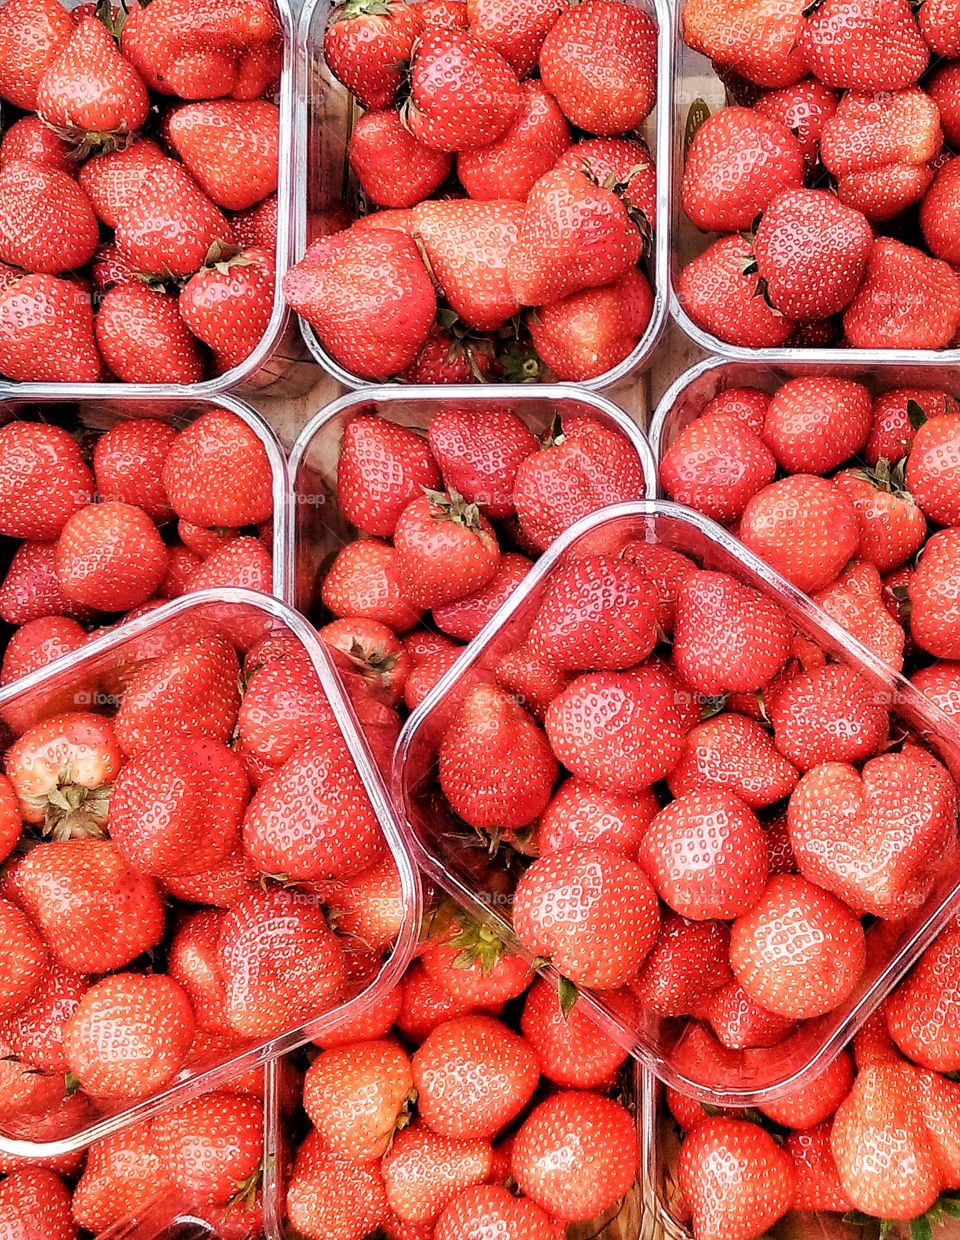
x=451, y=506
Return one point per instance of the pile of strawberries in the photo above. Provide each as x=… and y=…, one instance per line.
x=508, y=195
x=831, y=176
x=854, y=498
x=156, y=513
x=138, y=206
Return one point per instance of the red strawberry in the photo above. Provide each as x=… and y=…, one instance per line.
x=758, y=38
x=579, y=814
x=364, y=580
x=127, y=463
x=803, y=109
x=465, y=617
x=735, y=753
x=38, y=643
x=805, y=527
x=444, y=13
x=856, y=601
x=217, y=473
x=706, y=855
x=47, y=224
x=818, y=1185
x=212, y=1147
x=509, y=167
x=585, y=467
x=371, y=906
x=473, y=1076
x=464, y=93
x=814, y=424
x=229, y=303
x=371, y=1025
x=129, y=1035
x=667, y=569
x=589, y=333
x=89, y=93
x=686, y=963
x=623, y=162
x=735, y=1178
x=242, y=562
x=573, y=1052
x=445, y=549
x=943, y=87
x=739, y=162
x=892, y=527
x=934, y=606
x=516, y=30
x=923, y=1013
x=391, y=166
x=467, y=962
x=721, y=294
x=940, y=29
x=230, y=146
x=479, y=452
x=449, y=358
x=738, y=1022
x=368, y=295
x=27, y=960
x=599, y=61
x=9, y=818
x=168, y=226
x=591, y=913
x=367, y=45
x=533, y=683
x=112, y=180
x=223, y=886
x=257, y=228
x=120, y=1173
x=892, y=432
x=907, y=301
x=329, y=1195
x=374, y=651
x=205, y=50
x=716, y=465
x=355, y=1096
x=193, y=962
x=930, y=475
x=29, y=138
x=491, y=1205
x=864, y=44
x=110, y=557
x=423, y=1172
x=29, y=1096
x=468, y=245
x=941, y=683
x=280, y=963
x=817, y=1101
x=425, y=1004
x=35, y=1199
x=829, y=714
x=573, y=235
x=143, y=339
x=576, y=1155
x=43, y=480
x=32, y=34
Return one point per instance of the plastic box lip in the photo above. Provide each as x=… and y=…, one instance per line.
x=713, y=344
x=663, y=160
x=394, y=829
x=287, y=96
x=945, y=729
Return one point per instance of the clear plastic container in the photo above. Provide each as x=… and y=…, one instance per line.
x=241, y=616
x=475, y=881
x=696, y=82
x=317, y=527
x=328, y=202
x=684, y=401
x=277, y=347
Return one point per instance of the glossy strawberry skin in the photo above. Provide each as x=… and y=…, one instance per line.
x=366, y=49
x=735, y=1178
x=511, y=166
x=464, y=93
x=47, y=224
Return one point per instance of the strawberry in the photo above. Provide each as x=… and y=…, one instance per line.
x=228, y=305
x=280, y=963
x=294, y=823
x=829, y=714
x=367, y=43
x=112, y=180
x=576, y=1155
x=510, y=166
x=727, y=636
x=212, y=1146
x=721, y=294
x=449, y=358
x=856, y=601
x=738, y=1023
x=36, y=1199
x=734, y=753
x=599, y=61
x=943, y=87
x=473, y=1076
x=371, y=1025
x=491, y=1205
x=445, y=549
x=618, y=730
x=923, y=1013
x=799, y=952
x=907, y=301
x=355, y=1096
x=934, y=606
x=589, y=912
x=205, y=50
x=667, y=569
x=332, y=1196
x=687, y=962
x=479, y=452
x=393, y=168
x=584, y=467
x=805, y=527
x=257, y=227
x=29, y=138
x=596, y=612
x=515, y=30
x=30, y=590
x=423, y=1172
x=143, y=339
x=230, y=146
x=29, y=1095
x=864, y=44
x=129, y=1035
x=89, y=93
x=716, y=465
x=739, y=162
x=120, y=1173
x=373, y=650
x=371, y=906
x=939, y=27
x=425, y=1004
x=37, y=643
x=364, y=581
x=805, y=234
x=735, y=1178
x=168, y=226
x=368, y=295
x=110, y=557
x=573, y=1052
x=426, y=674
x=43, y=480
x=127, y=464
x=941, y=683
x=27, y=960
x=217, y=473
x=444, y=13
x=47, y=224
x=816, y=1103
x=532, y=682
x=818, y=1185
x=465, y=617
x=468, y=245
x=622, y=162
x=873, y=837
x=193, y=963
x=573, y=235
x=46, y=331
x=191, y=689
x=758, y=39
x=579, y=814
x=706, y=855
x=32, y=34
x=892, y=526
x=468, y=963
x=802, y=108
x=464, y=94
x=224, y=885
x=929, y=473
x=589, y=333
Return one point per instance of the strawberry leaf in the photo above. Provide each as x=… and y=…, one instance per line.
x=698, y=115
x=568, y=994
x=915, y=414
x=920, y=1229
